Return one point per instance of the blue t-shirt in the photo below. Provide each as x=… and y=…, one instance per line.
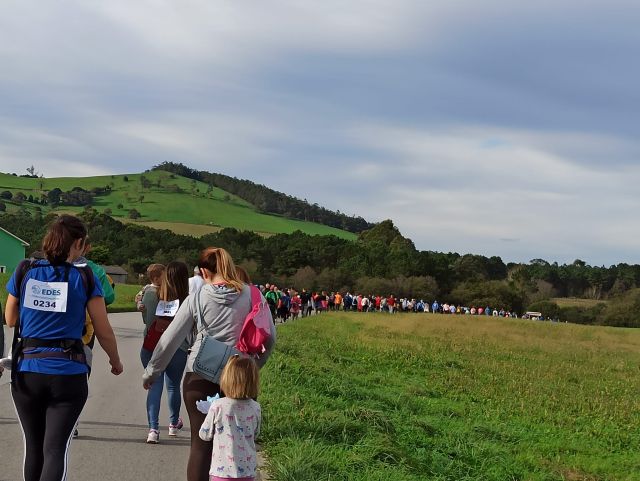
x=39, y=324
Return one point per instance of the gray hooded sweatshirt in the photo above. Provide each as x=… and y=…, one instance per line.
x=223, y=313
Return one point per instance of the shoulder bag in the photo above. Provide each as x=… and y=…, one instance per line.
x=213, y=354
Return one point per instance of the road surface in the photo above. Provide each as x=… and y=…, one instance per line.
x=113, y=427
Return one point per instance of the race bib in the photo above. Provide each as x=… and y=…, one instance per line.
x=46, y=296
x=167, y=308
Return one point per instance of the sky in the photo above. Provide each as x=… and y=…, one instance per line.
x=489, y=127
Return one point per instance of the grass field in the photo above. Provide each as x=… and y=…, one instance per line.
x=426, y=397
x=577, y=302
x=195, y=205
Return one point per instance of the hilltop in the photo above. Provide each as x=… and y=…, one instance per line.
x=157, y=198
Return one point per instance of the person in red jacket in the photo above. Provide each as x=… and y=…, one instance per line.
x=391, y=304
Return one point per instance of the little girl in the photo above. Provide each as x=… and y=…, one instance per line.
x=233, y=423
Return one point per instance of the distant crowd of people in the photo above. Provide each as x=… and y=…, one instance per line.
x=289, y=303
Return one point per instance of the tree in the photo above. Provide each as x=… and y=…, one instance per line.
x=6, y=195
x=3, y=207
x=100, y=254
x=31, y=170
x=126, y=178
x=19, y=197
x=30, y=198
x=120, y=206
x=53, y=196
x=134, y=214
x=141, y=198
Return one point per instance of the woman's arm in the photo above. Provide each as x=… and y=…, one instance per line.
x=104, y=332
x=150, y=303
x=169, y=343
x=268, y=346
x=12, y=310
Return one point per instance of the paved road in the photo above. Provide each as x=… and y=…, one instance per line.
x=113, y=427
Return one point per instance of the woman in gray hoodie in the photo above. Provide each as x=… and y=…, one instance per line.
x=225, y=302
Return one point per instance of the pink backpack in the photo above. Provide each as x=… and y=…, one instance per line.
x=256, y=330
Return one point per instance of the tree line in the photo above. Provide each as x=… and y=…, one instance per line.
x=381, y=261
x=269, y=201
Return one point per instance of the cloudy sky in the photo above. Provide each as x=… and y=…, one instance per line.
x=490, y=126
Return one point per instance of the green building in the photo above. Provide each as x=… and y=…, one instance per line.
x=11, y=250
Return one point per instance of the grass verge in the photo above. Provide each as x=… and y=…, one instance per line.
x=427, y=397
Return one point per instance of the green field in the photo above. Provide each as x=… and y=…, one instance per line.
x=196, y=205
x=427, y=397
x=577, y=302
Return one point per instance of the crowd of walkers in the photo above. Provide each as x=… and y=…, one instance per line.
x=288, y=304
x=211, y=333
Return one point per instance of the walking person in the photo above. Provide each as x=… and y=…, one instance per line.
x=233, y=423
x=46, y=307
x=222, y=304
x=161, y=305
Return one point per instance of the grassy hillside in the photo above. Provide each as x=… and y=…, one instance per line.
x=196, y=209
x=370, y=397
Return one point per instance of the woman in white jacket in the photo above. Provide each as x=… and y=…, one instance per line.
x=225, y=302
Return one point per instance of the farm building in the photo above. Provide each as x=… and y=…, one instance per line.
x=117, y=273
x=11, y=250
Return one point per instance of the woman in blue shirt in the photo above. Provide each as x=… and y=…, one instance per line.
x=48, y=299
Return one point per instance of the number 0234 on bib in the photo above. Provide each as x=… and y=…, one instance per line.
x=46, y=296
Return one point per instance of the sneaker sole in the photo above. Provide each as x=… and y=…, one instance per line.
x=152, y=442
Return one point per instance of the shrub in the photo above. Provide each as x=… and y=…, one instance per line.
x=547, y=308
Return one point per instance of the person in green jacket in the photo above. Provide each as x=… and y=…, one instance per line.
x=88, y=337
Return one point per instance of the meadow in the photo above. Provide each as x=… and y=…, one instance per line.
x=182, y=205
x=366, y=397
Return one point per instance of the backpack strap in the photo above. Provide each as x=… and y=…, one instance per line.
x=16, y=344
x=200, y=327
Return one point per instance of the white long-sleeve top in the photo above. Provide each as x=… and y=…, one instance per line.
x=233, y=425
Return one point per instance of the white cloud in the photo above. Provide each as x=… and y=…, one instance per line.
x=465, y=122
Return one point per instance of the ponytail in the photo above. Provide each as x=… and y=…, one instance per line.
x=218, y=261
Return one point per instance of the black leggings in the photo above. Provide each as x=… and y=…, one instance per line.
x=48, y=407
x=195, y=388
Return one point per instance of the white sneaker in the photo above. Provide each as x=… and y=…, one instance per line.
x=174, y=429
x=153, y=437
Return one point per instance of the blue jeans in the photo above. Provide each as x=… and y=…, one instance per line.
x=173, y=375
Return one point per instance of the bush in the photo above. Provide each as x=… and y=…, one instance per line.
x=3, y=207
x=134, y=214
x=581, y=315
x=623, y=311
x=496, y=294
x=6, y=195
x=547, y=308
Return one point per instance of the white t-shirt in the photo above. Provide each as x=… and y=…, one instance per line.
x=233, y=425
x=195, y=283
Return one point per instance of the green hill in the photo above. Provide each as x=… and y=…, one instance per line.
x=163, y=200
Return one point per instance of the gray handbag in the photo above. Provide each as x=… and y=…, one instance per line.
x=213, y=354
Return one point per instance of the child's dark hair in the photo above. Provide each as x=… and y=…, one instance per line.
x=240, y=378
x=61, y=235
x=175, y=282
